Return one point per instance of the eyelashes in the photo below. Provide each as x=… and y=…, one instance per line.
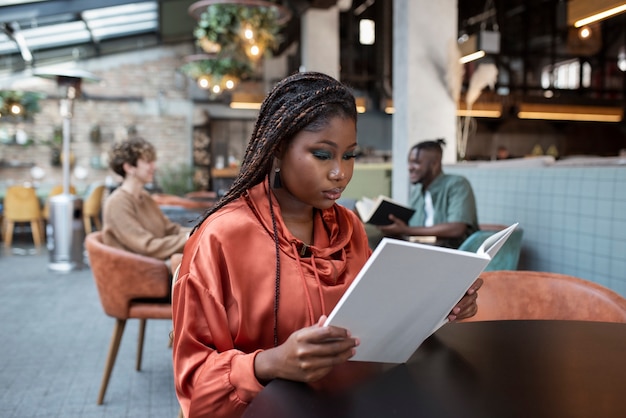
x=322, y=155
x=325, y=156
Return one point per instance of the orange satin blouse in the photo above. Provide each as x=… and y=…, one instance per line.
x=223, y=300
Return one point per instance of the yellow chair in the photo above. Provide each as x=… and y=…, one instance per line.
x=92, y=207
x=58, y=189
x=21, y=204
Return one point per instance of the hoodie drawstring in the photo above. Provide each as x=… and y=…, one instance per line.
x=306, y=288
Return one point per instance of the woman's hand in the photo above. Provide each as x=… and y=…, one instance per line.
x=467, y=307
x=307, y=355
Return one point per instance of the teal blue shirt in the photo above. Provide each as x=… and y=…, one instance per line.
x=453, y=201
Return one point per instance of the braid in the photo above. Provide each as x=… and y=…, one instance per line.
x=300, y=101
x=277, y=277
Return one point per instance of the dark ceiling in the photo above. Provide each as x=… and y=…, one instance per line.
x=534, y=36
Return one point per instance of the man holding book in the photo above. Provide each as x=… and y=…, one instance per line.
x=444, y=204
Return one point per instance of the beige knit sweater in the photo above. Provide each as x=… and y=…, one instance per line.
x=136, y=224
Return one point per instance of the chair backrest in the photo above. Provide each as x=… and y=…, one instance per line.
x=507, y=295
x=508, y=256
x=21, y=204
x=92, y=205
x=56, y=190
x=122, y=276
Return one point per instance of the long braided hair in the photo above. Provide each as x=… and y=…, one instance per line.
x=302, y=101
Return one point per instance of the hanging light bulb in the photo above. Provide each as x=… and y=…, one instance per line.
x=254, y=51
x=204, y=82
x=621, y=59
x=229, y=83
x=16, y=109
x=248, y=33
x=584, y=32
x=216, y=89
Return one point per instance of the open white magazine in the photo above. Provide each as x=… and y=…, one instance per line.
x=404, y=293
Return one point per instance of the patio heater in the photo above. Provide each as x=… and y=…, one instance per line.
x=66, y=232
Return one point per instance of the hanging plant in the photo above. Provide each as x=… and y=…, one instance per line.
x=19, y=104
x=236, y=35
x=95, y=134
x=234, y=28
x=217, y=67
x=218, y=74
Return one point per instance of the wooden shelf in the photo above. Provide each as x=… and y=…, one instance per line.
x=225, y=172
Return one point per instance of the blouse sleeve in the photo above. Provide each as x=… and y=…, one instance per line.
x=212, y=378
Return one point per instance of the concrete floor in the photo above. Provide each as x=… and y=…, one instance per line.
x=54, y=343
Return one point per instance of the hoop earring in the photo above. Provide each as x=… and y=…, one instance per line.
x=277, y=182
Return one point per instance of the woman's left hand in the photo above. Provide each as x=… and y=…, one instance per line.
x=467, y=306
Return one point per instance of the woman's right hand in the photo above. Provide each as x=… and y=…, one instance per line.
x=308, y=354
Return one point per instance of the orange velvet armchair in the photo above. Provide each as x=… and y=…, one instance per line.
x=130, y=286
x=510, y=295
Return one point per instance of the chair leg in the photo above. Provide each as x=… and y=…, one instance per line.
x=97, y=223
x=35, y=227
x=118, y=331
x=142, y=332
x=87, y=223
x=8, y=233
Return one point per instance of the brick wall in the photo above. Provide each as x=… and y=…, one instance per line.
x=142, y=90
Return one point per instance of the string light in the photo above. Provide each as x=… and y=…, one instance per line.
x=203, y=82
x=230, y=84
x=255, y=51
x=248, y=33
x=16, y=109
x=584, y=32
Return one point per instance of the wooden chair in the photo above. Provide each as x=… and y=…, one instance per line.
x=509, y=295
x=92, y=208
x=127, y=283
x=22, y=205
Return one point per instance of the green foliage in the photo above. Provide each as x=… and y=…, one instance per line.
x=220, y=32
x=27, y=100
x=176, y=179
x=217, y=67
x=224, y=25
x=56, y=140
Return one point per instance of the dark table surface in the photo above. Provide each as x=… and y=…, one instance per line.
x=476, y=369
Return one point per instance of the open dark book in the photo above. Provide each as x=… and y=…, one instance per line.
x=377, y=211
x=405, y=292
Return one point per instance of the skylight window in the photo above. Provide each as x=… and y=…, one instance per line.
x=63, y=30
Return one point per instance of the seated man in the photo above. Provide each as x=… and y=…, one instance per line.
x=444, y=203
